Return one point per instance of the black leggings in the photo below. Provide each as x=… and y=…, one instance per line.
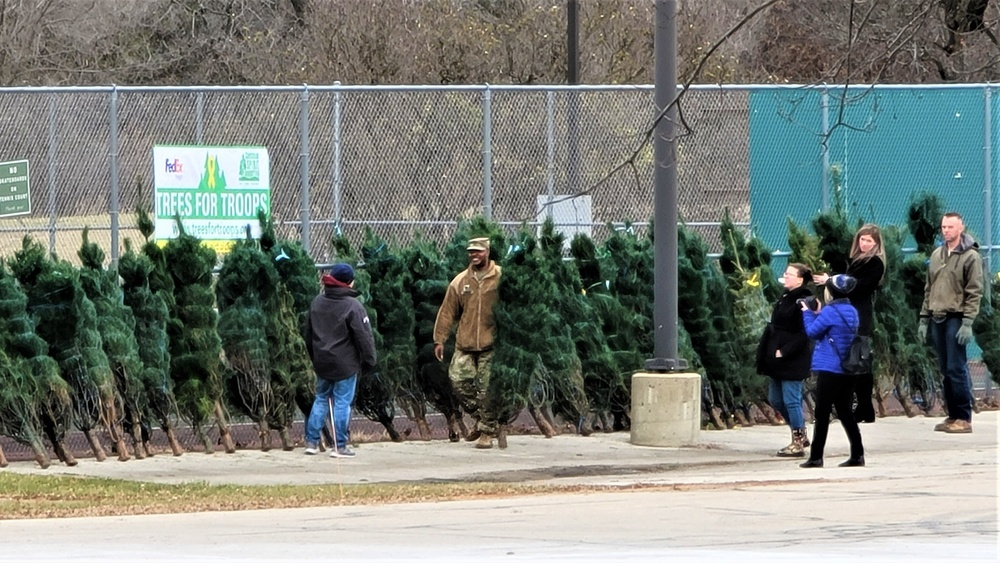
x=835, y=390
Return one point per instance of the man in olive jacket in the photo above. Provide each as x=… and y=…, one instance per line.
x=341, y=346
x=469, y=302
x=952, y=294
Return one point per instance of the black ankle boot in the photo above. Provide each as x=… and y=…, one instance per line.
x=812, y=463
x=853, y=462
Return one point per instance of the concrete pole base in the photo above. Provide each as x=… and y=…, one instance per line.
x=666, y=409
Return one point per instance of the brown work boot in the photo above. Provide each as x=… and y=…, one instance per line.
x=473, y=436
x=959, y=427
x=485, y=441
x=942, y=425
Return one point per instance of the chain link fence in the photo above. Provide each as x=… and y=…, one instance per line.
x=395, y=159
x=405, y=159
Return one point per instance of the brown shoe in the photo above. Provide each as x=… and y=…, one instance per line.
x=473, y=436
x=959, y=427
x=941, y=426
x=485, y=442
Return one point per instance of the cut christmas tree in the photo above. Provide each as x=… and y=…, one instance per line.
x=292, y=378
x=67, y=320
x=117, y=340
x=389, y=284
x=22, y=402
x=247, y=281
x=519, y=375
x=151, y=315
x=195, y=348
x=425, y=267
x=375, y=396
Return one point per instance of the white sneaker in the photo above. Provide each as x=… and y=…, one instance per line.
x=312, y=450
x=342, y=452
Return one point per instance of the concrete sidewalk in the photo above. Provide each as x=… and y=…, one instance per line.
x=924, y=496
x=895, y=446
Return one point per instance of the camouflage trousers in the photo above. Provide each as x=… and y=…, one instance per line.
x=470, y=374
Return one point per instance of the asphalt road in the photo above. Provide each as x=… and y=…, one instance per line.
x=924, y=496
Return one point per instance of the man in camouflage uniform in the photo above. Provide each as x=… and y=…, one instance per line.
x=469, y=303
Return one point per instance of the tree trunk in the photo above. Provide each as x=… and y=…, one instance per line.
x=542, y=424
x=58, y=445
x=115, y=430
x=393, y=434
x=3, y=458
x=715, y=415
x=265, y=435
x=203, y=436
x=606, y=425
x=424, y=429
x=455, y=433
x=225, y=436
x=286, y=440
x=880, y=401
x=502, y=436
x=68, y=457
x=175, y=446
x=137, y=443
x=741, y=418
x=909, y=409
x=95, y=446
x=771, y=416
x=41, y=456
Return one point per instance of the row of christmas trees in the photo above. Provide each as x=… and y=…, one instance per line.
x=161, y=339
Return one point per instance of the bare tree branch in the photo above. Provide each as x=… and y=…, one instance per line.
x=647, y=136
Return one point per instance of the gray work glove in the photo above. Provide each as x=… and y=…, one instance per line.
x=922, y=330
x=964, y=335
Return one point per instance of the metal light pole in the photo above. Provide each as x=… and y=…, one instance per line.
x=572, y=99
x=665, y=194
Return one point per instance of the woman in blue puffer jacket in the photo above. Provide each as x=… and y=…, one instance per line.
x=833, y=328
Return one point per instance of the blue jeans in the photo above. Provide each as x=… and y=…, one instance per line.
x=786, y=398
x=342, y=393
x=953, y=364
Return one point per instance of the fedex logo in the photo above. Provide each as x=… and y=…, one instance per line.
x=174, y=166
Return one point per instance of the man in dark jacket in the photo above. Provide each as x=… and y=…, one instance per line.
x=341, y=345
x=952, y=295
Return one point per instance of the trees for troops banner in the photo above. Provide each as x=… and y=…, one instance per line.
x=215, y=190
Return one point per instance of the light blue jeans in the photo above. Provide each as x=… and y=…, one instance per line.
x=341, y=393
x=786, y=398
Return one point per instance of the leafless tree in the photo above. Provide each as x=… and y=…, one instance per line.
x=495, y=41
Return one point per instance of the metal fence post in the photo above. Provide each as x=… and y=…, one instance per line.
x=337, y=140
x=304, y=167
x=53, y=109
x=487, y=155
x=113, y=156
x=550, y=142
x=573, y=141
x=825, y=146
x=988, y=183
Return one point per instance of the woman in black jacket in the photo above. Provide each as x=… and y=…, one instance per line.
x=785, y=354
x=867, y=266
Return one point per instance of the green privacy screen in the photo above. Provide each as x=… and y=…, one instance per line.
x=889, y=142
